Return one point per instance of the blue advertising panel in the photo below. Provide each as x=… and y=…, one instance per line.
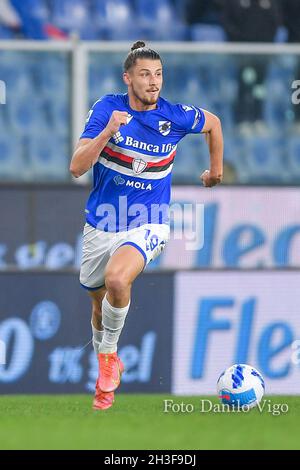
x=241, y=228
x=41, y=226
x=45, y=330
x=233, y=317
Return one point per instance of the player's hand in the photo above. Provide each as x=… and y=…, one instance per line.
x=209, y=179
x=117, y=119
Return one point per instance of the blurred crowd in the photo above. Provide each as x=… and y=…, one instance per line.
x=198, y=20
x=251, y=92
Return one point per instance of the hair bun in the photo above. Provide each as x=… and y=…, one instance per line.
x=137, y=45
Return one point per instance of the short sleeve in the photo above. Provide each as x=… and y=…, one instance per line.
x=194, y=119
x=96, y=120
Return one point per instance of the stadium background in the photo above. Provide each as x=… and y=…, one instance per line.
x=193, y=313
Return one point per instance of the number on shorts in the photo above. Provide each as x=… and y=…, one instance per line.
x=151, y=242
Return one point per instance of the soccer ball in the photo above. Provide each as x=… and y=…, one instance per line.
x=240, y=385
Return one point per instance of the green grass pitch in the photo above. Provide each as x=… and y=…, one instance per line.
x=138, y=422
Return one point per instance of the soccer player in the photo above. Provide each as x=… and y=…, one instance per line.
x=130, y=141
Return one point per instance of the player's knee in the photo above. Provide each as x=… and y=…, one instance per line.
x=117, y=283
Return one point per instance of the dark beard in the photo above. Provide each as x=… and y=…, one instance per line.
x=145, y=102
x=148, y=102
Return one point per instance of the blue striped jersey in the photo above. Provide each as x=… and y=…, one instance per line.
x=132, y=177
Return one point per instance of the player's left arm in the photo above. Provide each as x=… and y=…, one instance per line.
x=214, y=138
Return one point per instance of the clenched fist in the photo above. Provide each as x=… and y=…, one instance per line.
x=210, y=180
x=117, y=119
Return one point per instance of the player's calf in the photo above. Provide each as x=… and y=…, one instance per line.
x=113, y=319
x=96, y=322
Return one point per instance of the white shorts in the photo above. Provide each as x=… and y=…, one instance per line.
x=99, y=246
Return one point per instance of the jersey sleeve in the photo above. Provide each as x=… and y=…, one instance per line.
x=96, y=120
x=193, y=119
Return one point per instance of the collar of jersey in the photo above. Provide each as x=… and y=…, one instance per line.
x=134, y=111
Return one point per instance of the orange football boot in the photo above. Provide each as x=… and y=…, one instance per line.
x=104, y=400
x=110, y=370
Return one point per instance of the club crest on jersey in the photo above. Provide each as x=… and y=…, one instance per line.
x=164, y=127
x=138, y=165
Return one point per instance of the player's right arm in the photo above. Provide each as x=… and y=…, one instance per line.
x=87, y=151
